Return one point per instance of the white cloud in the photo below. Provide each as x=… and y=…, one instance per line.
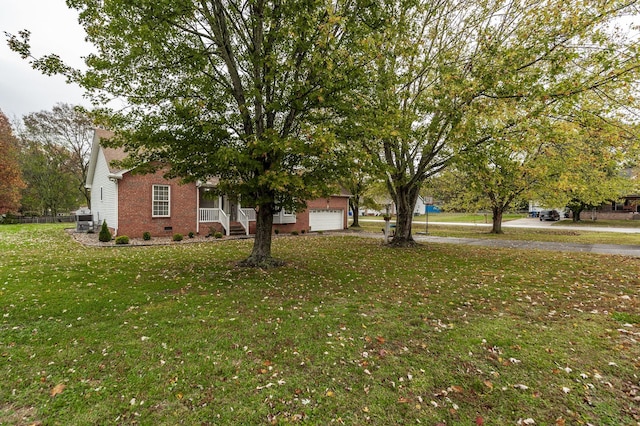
x=54, y=29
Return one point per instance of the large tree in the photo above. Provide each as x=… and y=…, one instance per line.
x=48, y=171
x=10, y=175
x=453, y=76
x=71, y=128
x=240, y=90
x=588, y=166
x=574, y=160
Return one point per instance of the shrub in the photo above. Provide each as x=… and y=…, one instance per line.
x=191, y=235
x=146, y=235
x=276, y=231
x=9, y=219
x=302, y=231
x=105, y=234
x=294, y=232
x=218, y=235
x=122, y=239
x=177, y=237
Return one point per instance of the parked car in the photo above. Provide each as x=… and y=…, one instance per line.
x=549, y=215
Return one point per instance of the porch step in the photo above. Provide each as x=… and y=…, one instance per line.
x=236, y=229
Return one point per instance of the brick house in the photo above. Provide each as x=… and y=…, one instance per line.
x=136, y=203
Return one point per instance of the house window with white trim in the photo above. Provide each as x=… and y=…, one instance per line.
x=161, y=201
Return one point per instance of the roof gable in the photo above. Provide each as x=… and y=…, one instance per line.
x=110, y=155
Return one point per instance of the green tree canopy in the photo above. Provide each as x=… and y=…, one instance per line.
x=240, y=90
x=68, y=127
x=587, y=167
x=453, y=76
x=51, y=184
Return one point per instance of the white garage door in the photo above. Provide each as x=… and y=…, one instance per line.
x=326, y=220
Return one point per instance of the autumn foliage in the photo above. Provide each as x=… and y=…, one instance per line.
x=10, y=177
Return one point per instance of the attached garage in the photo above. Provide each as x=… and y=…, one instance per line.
x=326, y=219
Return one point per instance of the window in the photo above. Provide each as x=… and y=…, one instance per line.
x=161, y=201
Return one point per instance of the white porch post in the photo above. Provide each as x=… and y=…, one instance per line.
x=198, y=208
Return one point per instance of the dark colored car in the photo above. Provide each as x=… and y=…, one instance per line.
x=549, y=215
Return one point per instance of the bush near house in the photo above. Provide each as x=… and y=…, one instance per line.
x=105, y=234
x=122, y=239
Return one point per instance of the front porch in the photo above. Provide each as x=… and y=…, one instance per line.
x=224, y=211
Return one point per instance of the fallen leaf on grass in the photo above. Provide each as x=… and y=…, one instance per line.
x=58, y=389
x=488, y=384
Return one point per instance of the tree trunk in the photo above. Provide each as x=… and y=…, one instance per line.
x=576, y=211
x=405, y=200
x=87, y=196
x=354, y=204
x=261, y=253
x=496, y=219
x=576, y=214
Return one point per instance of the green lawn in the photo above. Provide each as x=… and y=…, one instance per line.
x=349, y=332
x=455, y=217
x=602, y=223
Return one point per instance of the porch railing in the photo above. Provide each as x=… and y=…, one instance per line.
x=224, y=220
x=215, y=215
x=219, y=216
x=209, y=215
x=244, y=220
x=251, y=214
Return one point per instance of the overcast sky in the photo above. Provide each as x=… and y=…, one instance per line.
x=54, y=29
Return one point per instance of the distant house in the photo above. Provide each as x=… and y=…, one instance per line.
x=625, y=208
x=136, y=203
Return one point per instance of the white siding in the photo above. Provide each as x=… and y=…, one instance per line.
x=281, y=218
x=104, y=194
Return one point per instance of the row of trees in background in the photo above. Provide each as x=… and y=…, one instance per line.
x=45, y=157
x=281, y=99
x=570, y=165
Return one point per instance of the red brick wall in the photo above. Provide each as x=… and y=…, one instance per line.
x=302, y=219
x=135, y=202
